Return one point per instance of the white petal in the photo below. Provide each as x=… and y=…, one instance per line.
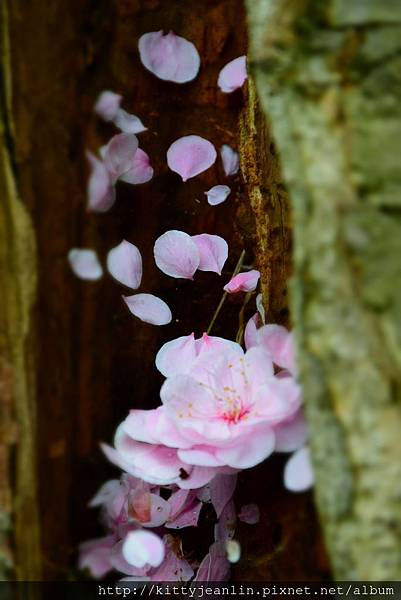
x=298, y=472
x=107, y=105
x=85, y=264
x=128, y=123
x=143, y=547
x=230, y=160
x=149, y=308
x=217, y=194
x=176, y=254
x=124, y=263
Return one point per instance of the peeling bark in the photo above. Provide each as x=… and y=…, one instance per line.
x=328, y=76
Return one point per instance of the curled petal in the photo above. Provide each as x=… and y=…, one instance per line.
x=213, y=252
x=143, y=547
x=217, y=194
x=119, y=154
x=233, y=75
x=243, y=282
x=176, y=254
x=149, y=308
x=101, y=192
x=250, y=514
x=298, y=472
x=141, y=170
x=85, y=264
x=124, y=263
x=107, y=105
x=169, y=57
x=230, y=160
x=190, y=155
x=128, y=123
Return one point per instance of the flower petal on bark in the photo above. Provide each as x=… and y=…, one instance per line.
x=119, y=154
x=217, y=194
x=107, y=105
x=101, y=193
x=230, y=160
x=176, y=254
x=243, y=282
x=141, y=170
x=149, y=308
x=213, y=252
x=190, y=155
x=124, y=263
x=85, y=264
x=128, y=123
x=233, y=75
x=169, y=57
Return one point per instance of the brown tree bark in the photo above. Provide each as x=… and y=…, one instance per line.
x=91, y=361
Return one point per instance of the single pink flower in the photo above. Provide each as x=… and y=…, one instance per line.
x=101, y=192
x=230, y=160
x=142, y=548
x=149, y=308
x=169, y=57
x=124, y=263
x=176, y=254
x=233, y=75
x=85, y=264
x=213, y=252
x=217, y=194
x=298, y=472
x=190, y=155
x=243, y=282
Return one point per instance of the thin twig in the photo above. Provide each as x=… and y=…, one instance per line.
x=241, y=323
x=224, y=296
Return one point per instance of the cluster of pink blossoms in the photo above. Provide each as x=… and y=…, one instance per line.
x=222, y=409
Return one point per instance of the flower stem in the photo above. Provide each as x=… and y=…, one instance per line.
x=224, y=296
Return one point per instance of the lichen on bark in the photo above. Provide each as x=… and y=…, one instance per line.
x=328, y=77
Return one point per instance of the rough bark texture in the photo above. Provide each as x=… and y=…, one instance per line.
x=328, y=76
x=91, y=359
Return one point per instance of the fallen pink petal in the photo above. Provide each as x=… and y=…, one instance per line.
x=85, y=264
x=298, y=472
x=141, y=171
x=169, y=56
x=230, y=160
x=124, y=263
x=107, y=105
x=233, y=75
x=101, y=192
x=250, y=514
x=213, y=252
x=128, y=123
x=243, y=282
x=149, y=308
x=217, y=194
x=143, y=547
x=190, y=155
x=119, y=154
x=176, y=254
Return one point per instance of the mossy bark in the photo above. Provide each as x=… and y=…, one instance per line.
x=328, y=77
x=17, y=412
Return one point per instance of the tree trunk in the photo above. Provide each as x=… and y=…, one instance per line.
x=328, y=76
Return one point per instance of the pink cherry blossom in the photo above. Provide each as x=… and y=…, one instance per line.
x=217, y=194
x=149, y=308
x=107, y=105
x=230, y=160
x=178, y=355
x=298, y=472
x=85, y=264
x=141, y=171
x=233, y=75
x=213, y=252
x=169, y=57
x=101, y=192
x=243, y=282
x=176, y=254
x=124, y=263
x=142, y=548
x=190, y=155
x=250, y=514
